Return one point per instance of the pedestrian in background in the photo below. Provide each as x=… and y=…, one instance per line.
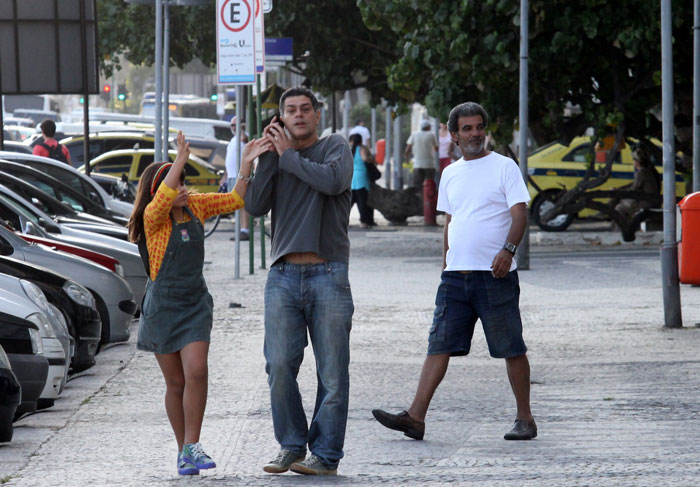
x=446, y=152
x=50, y=146
x=232, y=172
x=360, y=128
x=362, y=158
x=485, y=200
x=423, y=145
x=176, y=313
x=306, y=183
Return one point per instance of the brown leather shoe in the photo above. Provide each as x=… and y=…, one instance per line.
x=401, y=422
x=522, y=430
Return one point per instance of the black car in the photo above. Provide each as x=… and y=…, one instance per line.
x=84, y=322
x=10, y=397
x=21, y=341
x=60, y=191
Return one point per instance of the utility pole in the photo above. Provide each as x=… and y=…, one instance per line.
x=522, y=256
x=669, y=250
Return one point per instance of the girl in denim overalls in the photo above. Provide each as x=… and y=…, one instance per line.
x=176, y=312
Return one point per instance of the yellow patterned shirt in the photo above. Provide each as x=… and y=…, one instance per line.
x=157, y=223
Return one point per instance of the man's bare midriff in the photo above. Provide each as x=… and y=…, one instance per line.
x=303, y=258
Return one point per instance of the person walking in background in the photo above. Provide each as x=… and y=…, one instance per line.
x=360, y=128
x=423, y=145
x=232, y=172
x=176, y=313
x=646, y=179
x=361, y=180
x=485, y=200
x=446, y=153
x=306, y=183
x=50, y=146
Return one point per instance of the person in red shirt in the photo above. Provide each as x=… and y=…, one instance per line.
x=50, y=146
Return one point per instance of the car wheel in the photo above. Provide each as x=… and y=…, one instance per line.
x=6, y=429
x=543, y=203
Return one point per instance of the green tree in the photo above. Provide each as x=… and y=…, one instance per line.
x=602, y=57
x=332, y=46
x=128, y=31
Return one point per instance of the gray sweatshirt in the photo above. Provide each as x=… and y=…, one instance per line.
x=309, y=194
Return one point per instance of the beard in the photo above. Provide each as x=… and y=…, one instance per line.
x=473, y=146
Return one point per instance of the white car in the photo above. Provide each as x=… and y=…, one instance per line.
x=25, y=299
x=70, y=176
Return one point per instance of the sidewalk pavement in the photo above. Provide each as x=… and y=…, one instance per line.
x=614, y=393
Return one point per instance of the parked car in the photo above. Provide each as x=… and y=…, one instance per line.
x=10, y=396
x=119, y=188
x=73, y=178
x=18, y=295
x=199, y=175
x=22, y=343
x=23, y=121
x=73, y=301
x=18, y=132
x=54, y=198
x=13, y=146
x=112, y=293
x=14, y=207
x=555, y=167
x=124, y=261
x=102, y=142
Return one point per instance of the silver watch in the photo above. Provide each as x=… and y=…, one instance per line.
x=510, y=247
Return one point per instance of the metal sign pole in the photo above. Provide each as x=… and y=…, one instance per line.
x=166, y=78
x=522, y=256
x=158, y=155
x=237, y=250
x=669, y=250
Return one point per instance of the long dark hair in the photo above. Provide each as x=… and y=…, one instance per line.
x=144, y=197
x=355, y=142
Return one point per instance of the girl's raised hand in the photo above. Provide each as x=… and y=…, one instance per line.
x=183, y=148
x=255, y=148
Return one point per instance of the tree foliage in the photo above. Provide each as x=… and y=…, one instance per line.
x=332, y=46
x=128, y=31
x=601, y=56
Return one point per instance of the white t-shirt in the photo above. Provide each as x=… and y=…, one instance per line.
x=363, y=131
x=423, y=144
x=231, y=159
x=478, y=194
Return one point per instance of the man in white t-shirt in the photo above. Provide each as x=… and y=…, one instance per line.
x=360, y=128
x=485, y=200
x=423, y=145
x=232, y=172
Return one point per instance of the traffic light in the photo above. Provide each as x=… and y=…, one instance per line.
x=106, y=92
x=214, y=97
x=121, y=92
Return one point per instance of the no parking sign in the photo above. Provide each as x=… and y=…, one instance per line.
x=235, y=41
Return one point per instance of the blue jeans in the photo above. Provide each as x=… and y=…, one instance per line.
x=316, y=297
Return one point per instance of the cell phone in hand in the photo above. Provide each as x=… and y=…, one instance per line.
x=279, y=119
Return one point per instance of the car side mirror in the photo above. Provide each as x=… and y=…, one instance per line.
x=38, y=204
x=50, y=227
x=94, y=197
x=30, y=229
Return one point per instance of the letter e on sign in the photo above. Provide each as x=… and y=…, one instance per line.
x=236, y=14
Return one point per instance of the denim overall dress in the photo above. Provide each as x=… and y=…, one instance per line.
x=177, y=308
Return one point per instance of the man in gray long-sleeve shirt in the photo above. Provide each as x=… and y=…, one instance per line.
x=306, y=184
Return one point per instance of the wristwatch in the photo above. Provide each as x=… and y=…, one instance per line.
x=510, y=247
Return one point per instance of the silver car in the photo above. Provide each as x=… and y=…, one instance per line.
x=115, y=300
x=25, y=299
x=20, y=213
